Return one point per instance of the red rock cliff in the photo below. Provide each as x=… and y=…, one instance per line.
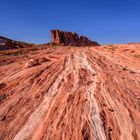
x=70, y=38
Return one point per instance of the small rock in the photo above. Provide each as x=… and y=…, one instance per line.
x=31, y=63
x=43, y=59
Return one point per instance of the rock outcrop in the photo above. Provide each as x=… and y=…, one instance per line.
x=31, y=63
x=58, y=37
x=70, y=38
x=35, y=62
x=6, y=43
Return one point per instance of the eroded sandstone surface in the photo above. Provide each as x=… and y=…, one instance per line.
x=86, y=93
x=70, y=38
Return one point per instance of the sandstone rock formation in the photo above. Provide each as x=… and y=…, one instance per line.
x=31, y=63
x=6, y=43
x=70, y=38
x=34, y=62
x=57, y=38
x=85, y=93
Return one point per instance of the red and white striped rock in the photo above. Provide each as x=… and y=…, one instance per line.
x=79, y=94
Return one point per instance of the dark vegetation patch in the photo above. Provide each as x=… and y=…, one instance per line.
x=2, y=98
x=112, y=47
x=125, y=68
x=2, y=85
x=137, y=56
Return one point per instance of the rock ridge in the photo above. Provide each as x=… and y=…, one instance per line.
x=63, y=38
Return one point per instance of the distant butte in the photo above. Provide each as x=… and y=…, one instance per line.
x=58, y=37
x=63, y=38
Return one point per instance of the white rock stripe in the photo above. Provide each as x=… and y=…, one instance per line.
x=93, y=115
x=36, y=116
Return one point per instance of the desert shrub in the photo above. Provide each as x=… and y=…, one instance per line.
x=125, y=68
x=137, y=56
x=112, y=47
x=2, y=85
x=83, y=131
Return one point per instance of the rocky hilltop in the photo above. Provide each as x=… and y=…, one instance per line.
x=6, y=43
x=70, y=38
x=70, y=93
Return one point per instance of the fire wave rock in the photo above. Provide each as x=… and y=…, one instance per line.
x=71, y=94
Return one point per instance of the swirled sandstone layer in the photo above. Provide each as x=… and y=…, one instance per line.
x=86, y=93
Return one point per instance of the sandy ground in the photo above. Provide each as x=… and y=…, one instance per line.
x=70, y=93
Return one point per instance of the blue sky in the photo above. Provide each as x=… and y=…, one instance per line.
x=105, y=21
